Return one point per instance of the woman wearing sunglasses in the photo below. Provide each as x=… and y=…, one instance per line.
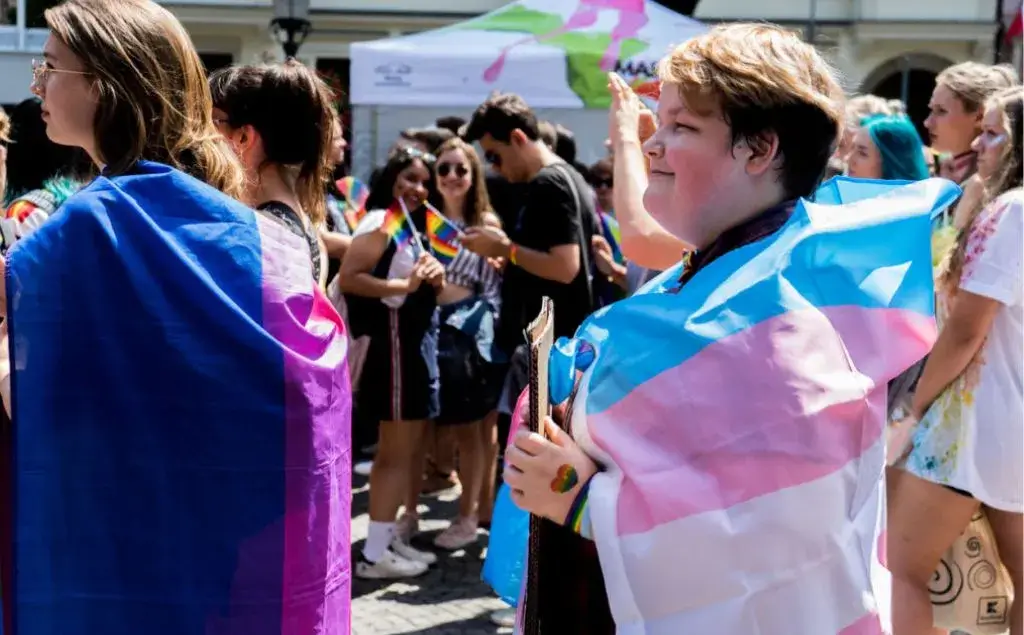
x=469, y=305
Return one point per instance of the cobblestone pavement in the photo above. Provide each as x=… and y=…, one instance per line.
x=449, y=600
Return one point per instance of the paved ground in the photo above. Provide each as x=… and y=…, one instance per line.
x=449, y=600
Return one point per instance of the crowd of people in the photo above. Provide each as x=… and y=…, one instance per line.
x=258, y=299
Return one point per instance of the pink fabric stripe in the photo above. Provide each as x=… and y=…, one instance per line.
x=772, y=407
x=870, y=624
x=316, y=571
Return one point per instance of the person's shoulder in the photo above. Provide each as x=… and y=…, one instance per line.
x=1012, y=201
x=372, y=221
x=552, y=179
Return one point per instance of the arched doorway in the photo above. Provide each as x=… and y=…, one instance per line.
x=910, y=78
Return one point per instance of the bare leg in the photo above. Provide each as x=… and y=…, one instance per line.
x=489, y=466
x=414, y=480
x=924, y=520
x=398, y=447
x=471, y=455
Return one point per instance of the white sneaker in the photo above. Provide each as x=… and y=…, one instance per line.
x=390, y=566
x=409, y=553
x=504, y=617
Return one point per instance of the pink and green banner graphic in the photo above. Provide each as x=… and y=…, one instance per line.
x=555, y=53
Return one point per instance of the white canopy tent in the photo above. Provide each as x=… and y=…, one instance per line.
x=554, y=53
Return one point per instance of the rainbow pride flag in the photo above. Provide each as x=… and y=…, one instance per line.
x=611, y=232
x=396, y=225
x=442, y=235
x=740, y=421
x=181, y=401
x=356, y=194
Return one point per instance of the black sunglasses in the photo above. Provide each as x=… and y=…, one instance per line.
x=492, y=159
x=599, y=183
x=444, y=169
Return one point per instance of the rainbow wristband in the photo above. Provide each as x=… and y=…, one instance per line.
x=579, y=513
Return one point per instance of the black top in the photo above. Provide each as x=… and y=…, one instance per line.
x=548, y=218
x=506, y=198
x=291, y=219
x=370, y=316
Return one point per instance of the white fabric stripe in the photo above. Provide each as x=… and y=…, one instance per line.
x=396, y=366
x=795, y=562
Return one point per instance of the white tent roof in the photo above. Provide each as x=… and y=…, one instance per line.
x=552, y=52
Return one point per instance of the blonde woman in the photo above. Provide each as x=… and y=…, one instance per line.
x=956, y=108
x=967, y=410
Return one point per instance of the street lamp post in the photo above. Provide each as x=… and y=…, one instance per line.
x=291, y=24
x=811, y=30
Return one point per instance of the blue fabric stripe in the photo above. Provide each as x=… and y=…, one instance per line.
x=150, y=416
x=842, y=258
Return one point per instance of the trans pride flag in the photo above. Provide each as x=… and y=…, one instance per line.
x=739, y=422
x=181, y=407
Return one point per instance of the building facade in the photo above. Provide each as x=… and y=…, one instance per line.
x=893, y=48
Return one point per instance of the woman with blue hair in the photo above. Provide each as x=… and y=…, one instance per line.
x=887, y=147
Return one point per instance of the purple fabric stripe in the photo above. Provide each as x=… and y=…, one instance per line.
x=316, y=585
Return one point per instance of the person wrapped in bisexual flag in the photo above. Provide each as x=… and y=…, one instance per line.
x=722, y=432
x=179, y=389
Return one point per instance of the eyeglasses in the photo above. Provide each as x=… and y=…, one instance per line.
x=444, y=169
x=41, y=70
x=492, y=159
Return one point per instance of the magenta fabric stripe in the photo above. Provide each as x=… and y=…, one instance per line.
x=805, y=419
x=316, y=585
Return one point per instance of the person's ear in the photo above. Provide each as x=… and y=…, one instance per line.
x=518, y=138
x=760, y=152
x=244, y=139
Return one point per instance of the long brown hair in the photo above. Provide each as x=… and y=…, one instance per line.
x=1010, y=103
x=478, y=202
x=153, y=102
x=292, y=110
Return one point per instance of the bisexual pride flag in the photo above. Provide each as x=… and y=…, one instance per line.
x=181, y=408
x=739, y=421
x=442, y=235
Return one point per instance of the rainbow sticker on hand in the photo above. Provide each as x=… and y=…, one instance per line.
x=565, y=479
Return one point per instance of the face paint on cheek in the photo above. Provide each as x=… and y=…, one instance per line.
x=565, y=479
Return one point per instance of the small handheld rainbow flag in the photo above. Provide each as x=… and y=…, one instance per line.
x=396, y=225
x=442, y=235
x=356, y=193
x=611, y=232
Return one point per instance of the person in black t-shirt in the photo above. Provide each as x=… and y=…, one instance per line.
x=543, y=245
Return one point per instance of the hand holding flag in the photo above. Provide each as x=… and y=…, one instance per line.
x=397, y=225
x=442, y=235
